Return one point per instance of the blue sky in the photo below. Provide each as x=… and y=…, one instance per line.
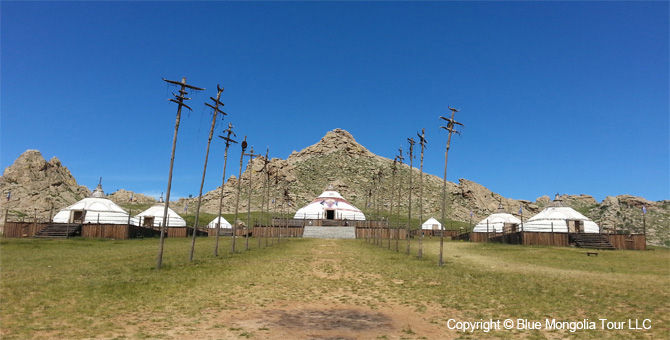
x=567, y=97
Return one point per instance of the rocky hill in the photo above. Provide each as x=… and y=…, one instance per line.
x=365, y=179
x=38, y=187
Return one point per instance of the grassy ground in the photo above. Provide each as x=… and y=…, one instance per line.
x=109, y=289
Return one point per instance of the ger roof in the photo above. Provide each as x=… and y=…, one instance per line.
x=99, y=209
x=221, y=221
x=330, y=199
x=157, y=211
x=556, y=210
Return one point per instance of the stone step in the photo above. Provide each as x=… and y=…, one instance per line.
x=329, y=232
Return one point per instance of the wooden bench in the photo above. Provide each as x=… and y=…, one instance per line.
x=589, y=253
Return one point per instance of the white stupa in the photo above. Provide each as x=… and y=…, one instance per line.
x=153, y=217
x=561, y=219
x=94, y=209
x=495, y=222
x=330, y=205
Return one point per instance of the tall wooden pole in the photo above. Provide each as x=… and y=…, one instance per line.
x=237, y=199
x=179, y=99
x=372, y=202
x=251, y=173
x=287, y=207
x=393, y=173
x=399, y=158
x=223, y=182
x=274, y=208
x=378, y=195
x=422, y=141
x=204, y=168
x=450, y=127
x=272, y=213
x=266, y=197
x=409, y=214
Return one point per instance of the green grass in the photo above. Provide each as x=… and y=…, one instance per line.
x=91, y=288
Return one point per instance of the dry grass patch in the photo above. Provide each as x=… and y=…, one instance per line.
x=318, y=289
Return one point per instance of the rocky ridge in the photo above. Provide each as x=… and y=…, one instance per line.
x=339, y=160
x=38, y=187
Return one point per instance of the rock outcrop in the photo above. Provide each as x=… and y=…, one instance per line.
x=38, y=188
x=124, y=197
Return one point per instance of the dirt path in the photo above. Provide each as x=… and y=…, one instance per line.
x=339, y=314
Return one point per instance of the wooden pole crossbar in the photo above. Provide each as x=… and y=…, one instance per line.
x=204, y=168
x=228, y=140
x=451, y=123
x=179, y=99
x=422, y=142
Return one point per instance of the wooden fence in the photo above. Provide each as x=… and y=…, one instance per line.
x=116, y=231
x=433, y=233
x=222, y=232
x=623, y=242
x=524, y=238
x=385, y=233
x=22, y=229
x=183, y=232
x=327, y=223
x=628, y=242
x=261, y=231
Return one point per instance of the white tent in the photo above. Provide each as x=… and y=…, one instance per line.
x=432, y=224
x=559, y=218
x=495, y=222
x=330, y=205
x=222, y=223
x=94, y=209
x=153, y=217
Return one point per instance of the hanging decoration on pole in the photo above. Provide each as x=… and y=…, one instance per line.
x=179, y=100
x=451, y=124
